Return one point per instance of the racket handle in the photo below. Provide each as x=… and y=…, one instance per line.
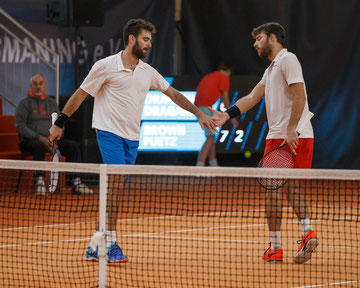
x=303, y=123
x=54, y=116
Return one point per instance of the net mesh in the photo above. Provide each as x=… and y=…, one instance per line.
x=42, y=237
x=180, y=227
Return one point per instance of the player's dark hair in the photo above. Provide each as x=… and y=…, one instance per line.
x=224, y=65
x=271, y=28
x=134, y=27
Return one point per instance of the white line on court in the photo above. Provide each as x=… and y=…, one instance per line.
x=154, y=235
x=134, y=219
x=328, y=284
x=46, y=226
x=208, y=239
x=46, y=242
x=161, y=234
x=173, y=216
x=195, y=229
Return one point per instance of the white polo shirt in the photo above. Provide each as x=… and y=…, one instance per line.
x=283, y=71
x=120, y=94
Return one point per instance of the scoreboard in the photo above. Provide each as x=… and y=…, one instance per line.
x=167, y=127
x=248, y=136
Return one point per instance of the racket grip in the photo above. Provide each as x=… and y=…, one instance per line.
x=54, y=116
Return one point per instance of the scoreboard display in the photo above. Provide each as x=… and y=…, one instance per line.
x=248, y=136
x=167, y=127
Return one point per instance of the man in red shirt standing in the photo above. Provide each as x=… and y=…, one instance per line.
x=213, y=86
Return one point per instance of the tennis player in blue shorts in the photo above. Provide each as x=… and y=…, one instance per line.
x=119, y=85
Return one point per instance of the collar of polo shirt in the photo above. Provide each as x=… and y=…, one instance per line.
x=121, y=66
x=278, y=56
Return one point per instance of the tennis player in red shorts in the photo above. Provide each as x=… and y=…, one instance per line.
x=286, y=103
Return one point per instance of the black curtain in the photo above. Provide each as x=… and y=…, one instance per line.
x=325, y=36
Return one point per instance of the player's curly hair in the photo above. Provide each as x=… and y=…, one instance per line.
x=271, y=28
x=134, y=27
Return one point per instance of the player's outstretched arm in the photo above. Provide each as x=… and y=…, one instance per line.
x=219, y=117
x=241, y=106
x=70, y=107
x=204, y=120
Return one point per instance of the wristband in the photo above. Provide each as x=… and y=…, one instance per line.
x=233, y=111
x=61, y=120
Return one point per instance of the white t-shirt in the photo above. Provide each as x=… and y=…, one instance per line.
x=283, y=71
x=120, y=94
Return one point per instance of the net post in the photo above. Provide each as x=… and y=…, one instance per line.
x=102, y=224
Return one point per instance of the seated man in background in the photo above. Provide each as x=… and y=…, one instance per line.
x=33, y=121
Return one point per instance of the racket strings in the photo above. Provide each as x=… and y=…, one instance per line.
x=278, y=158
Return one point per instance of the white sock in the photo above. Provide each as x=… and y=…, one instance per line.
x=40, y=180
x=95, y=232
x=306, y=225
x=200, y=163
x=76, y=181
x=275, y=240
x=213, y=162
x=110, y=238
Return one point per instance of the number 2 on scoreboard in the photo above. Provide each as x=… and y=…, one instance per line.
x=239, y=137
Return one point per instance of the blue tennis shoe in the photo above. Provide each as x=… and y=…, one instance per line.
x=114, y=254
x=91, y=255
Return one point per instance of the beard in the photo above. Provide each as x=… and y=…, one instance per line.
x=138, y=52
x=38, y=93
x=266, y=50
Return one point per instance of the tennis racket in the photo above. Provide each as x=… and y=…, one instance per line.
x=54, y=176
x=280, y=157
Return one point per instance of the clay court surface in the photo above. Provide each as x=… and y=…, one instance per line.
x=179, y=237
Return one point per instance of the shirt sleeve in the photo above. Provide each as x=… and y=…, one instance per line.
x=95, y=79
x=291, y=70
x=224, y=84
x=158, y=82
x=263, y=79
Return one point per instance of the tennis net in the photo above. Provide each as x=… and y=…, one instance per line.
x=179, y=226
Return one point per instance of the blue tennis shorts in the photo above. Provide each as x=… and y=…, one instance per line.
x=115, y=149
x=209, y=113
